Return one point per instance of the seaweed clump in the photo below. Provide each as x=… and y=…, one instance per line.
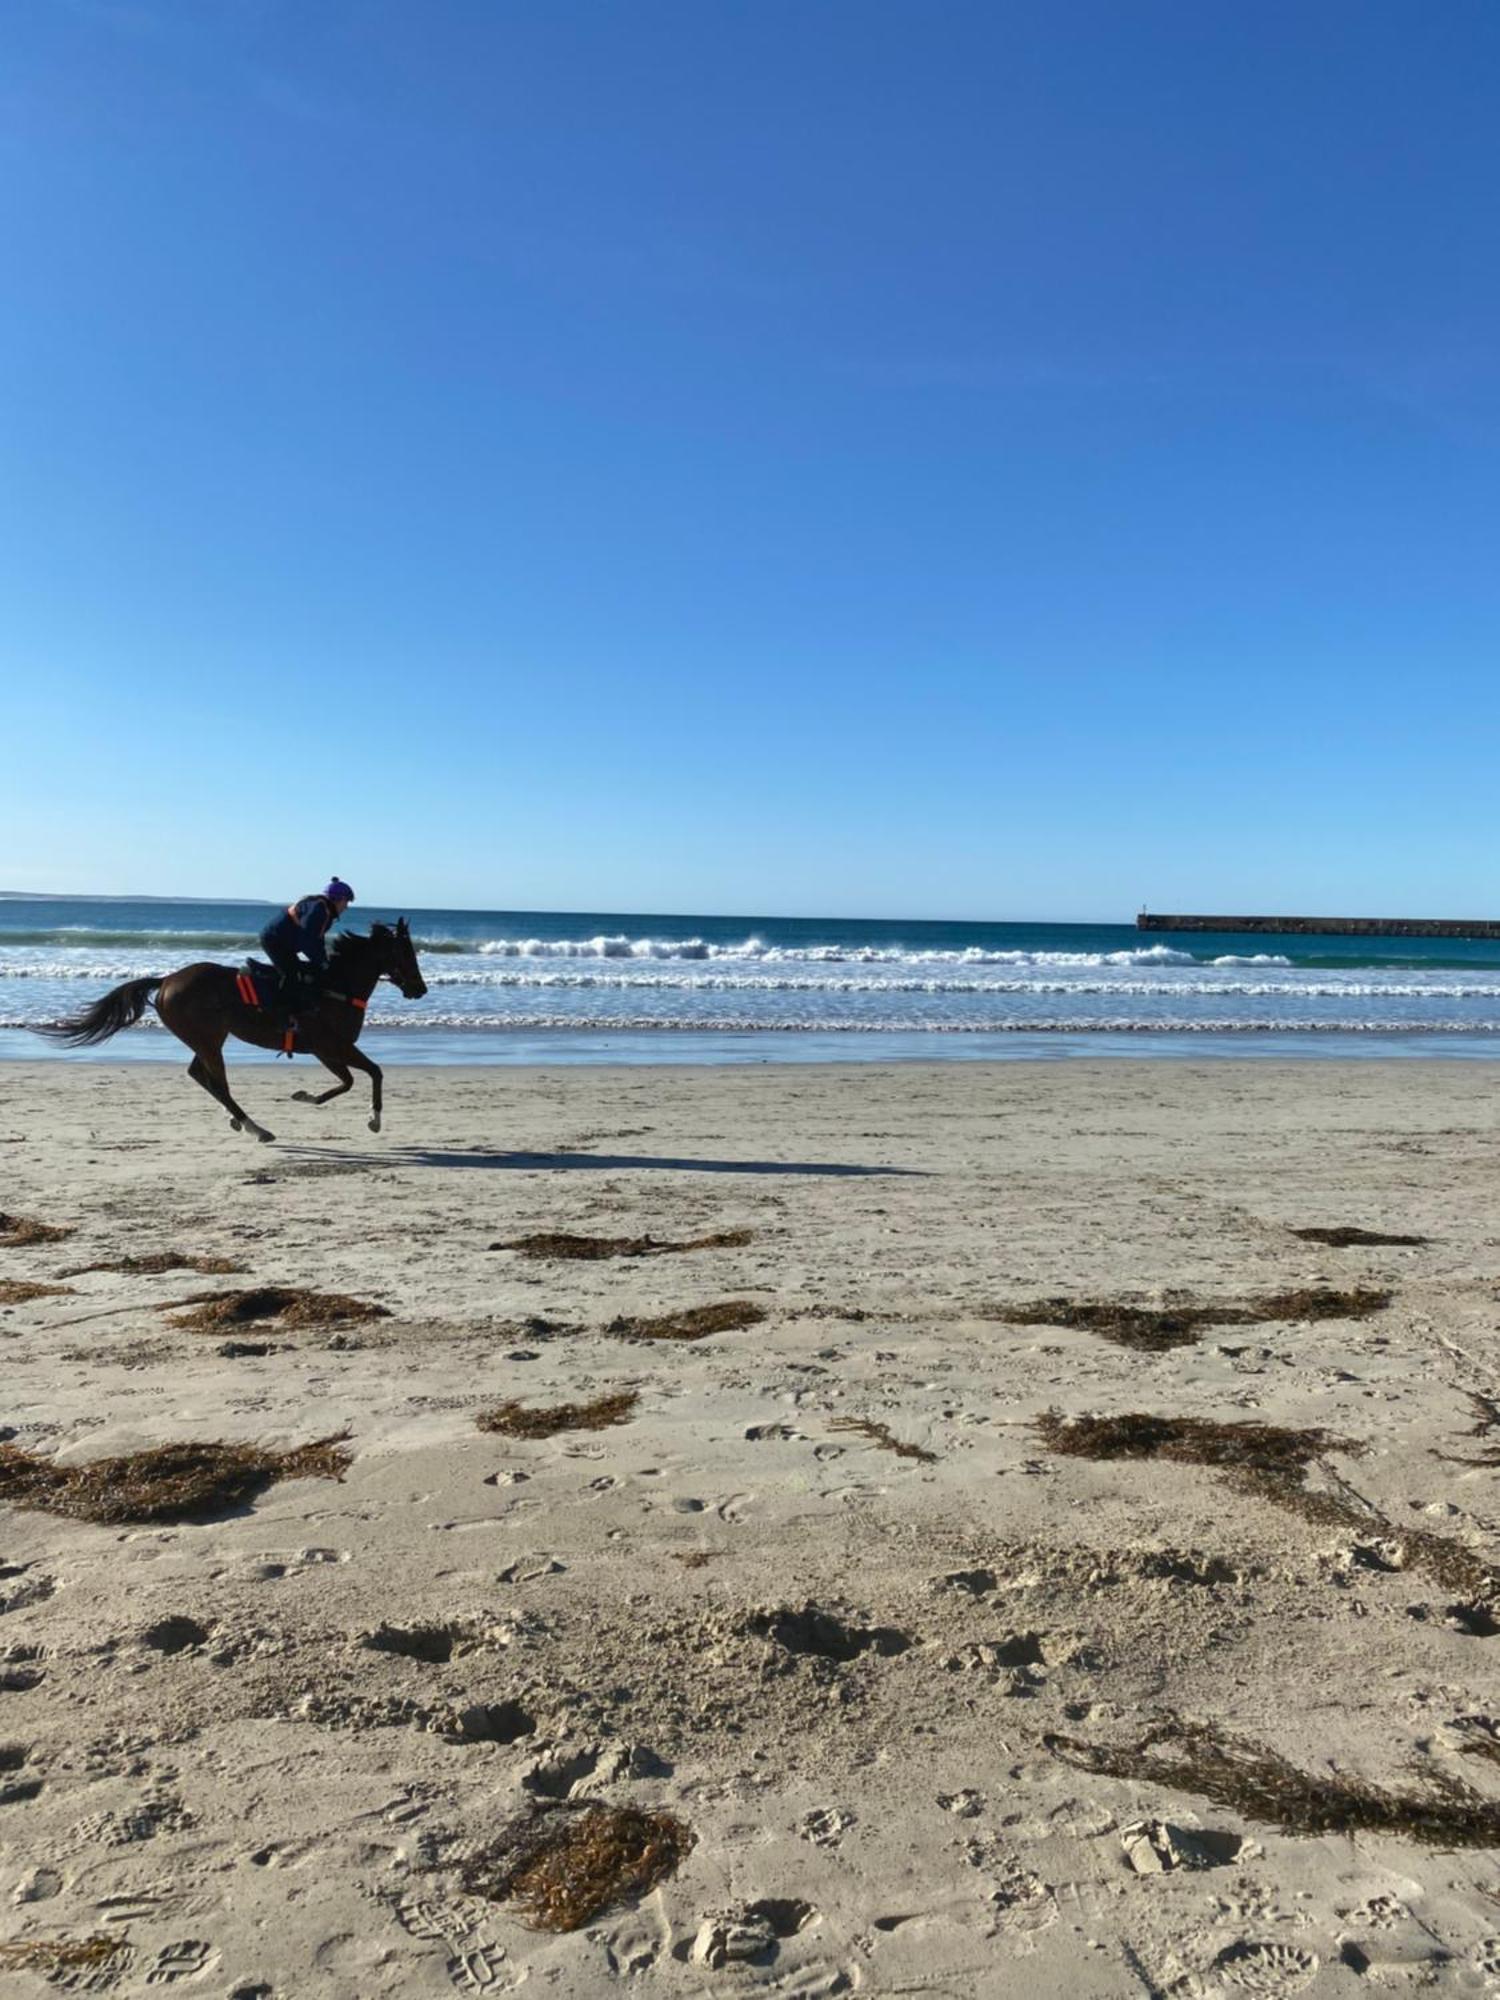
x=564, y=1863
x=152, y=1262
x=170, y=1482
x=558, y=1245
x=20, y=1291
x=1260, y=1784
x=695, y=1324
x=880, y=1434
x=1271, y=1461
x=1346, y=1238
x=19, y=1231
x=1267, y=1450
x=514, y=1420
x=1487, y=1413
x=52, y=1956
x=216, y=1312
x=1155, y=1330
x=1481, y=1739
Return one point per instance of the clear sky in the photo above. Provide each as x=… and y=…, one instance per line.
x=929, y=457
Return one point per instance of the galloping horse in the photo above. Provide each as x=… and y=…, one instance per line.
x=203, y=1004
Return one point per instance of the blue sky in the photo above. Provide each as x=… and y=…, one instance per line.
x=848, y=456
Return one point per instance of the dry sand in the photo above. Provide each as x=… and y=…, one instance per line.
x=259, y=1755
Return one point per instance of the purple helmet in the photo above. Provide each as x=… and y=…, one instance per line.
x=339, y=892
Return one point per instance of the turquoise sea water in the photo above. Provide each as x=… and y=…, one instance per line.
x=528, y=986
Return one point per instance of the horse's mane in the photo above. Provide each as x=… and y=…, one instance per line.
x=348, y=945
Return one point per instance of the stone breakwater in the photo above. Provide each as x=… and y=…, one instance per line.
x=1430, y=927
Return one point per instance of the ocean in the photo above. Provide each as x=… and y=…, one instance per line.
x=553, y=986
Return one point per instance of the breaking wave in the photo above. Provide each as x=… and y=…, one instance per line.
x=756, y=950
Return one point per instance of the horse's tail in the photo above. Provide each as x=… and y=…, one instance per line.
x=120, y=1009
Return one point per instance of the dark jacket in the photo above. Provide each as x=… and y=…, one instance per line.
x=302, y=928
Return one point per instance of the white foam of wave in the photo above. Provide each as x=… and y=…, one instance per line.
x=757, y=950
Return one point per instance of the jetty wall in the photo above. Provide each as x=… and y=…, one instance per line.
x=1442, y=927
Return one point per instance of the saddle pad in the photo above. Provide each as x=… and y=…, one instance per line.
x=255, y=984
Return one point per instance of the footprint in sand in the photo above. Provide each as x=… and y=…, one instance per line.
x=476, y=1962
x=1269, y=1969
x=125, y=1829
x=273, y=1564
x=22, y=1586
x=96, y=1978
x=1023, y=1902
x=825, y=1826
x=482, y=1969
x=184, y=1960
x=40, y=1886
x=638, y=1942
x=734, y=1937
x=175, y=1634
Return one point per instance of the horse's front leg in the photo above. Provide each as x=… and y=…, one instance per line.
x=357, y=1060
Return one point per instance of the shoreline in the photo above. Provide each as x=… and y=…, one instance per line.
x=694, y=1048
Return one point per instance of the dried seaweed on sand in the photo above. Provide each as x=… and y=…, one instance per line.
x=217, y=1312
x=557, y=1245
x=51, y=1956
x=1345, y=1238
x=1487, y=1413
x=19, y=1291
x=18, y=1231
x=695, y=1324
x=153, y=1262
x=170, y=1482
x=514, y=1420
x=1155, y=1329
x=880, y=1434
x=1261, y=1785
x=564, y=1864
x=1481, y=1739
x=1239, y=1447
x=1270, y=1462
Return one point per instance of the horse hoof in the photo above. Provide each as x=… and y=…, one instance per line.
x=374, y=1124
x=302, y=1097
x=265, y=1138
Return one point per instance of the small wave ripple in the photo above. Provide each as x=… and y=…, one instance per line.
x=826, y=1024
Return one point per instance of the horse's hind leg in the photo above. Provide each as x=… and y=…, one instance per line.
x=199, y=1072
x=207, y=1068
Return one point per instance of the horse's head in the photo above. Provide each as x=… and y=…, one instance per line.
x=397, y=958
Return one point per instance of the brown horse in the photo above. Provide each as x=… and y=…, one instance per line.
x=202, y=1006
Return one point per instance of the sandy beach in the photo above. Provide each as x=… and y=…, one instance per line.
x=937, y=1701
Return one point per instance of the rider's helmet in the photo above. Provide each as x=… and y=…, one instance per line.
x=339, y=892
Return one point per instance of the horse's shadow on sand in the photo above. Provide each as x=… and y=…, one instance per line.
x=614, y=1163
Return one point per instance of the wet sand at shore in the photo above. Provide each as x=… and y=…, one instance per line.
x=762, y=1515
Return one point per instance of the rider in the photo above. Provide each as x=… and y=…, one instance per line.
x=300, y=933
